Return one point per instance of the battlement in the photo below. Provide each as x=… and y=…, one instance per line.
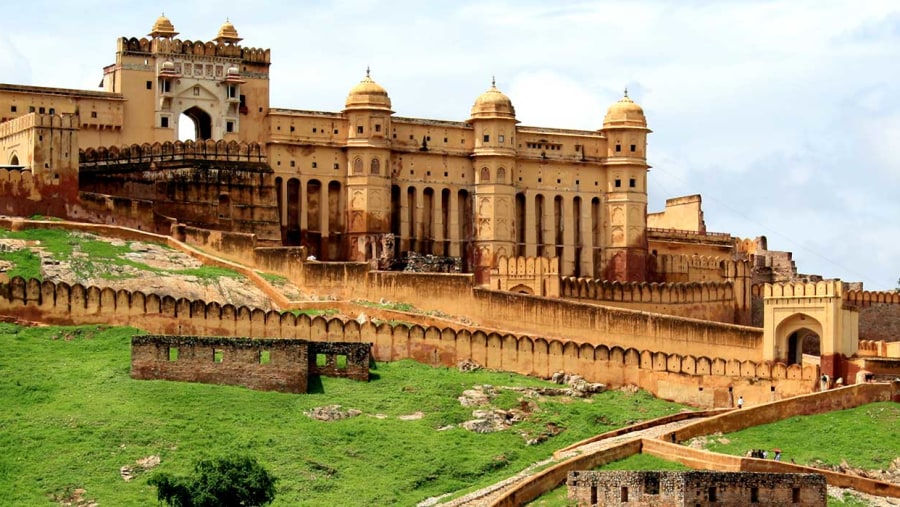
x=143, y=45
x=643, y=292
x=829, y=288
x=866, y=298
x=688, y=235
x=528, y=275
x=232, y=151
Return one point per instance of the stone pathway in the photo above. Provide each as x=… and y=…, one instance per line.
x=485, y=496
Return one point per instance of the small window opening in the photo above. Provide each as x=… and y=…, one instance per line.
x=340, y=362
x=218, y=355
x=30, y=109
x=445, y=140
x=487, y=138
x=631, y=182
x=618, y=148
x=501, y=138
x=795, y=495
x=293, y=163
x=359, y=129
x=633, y=148
x=651, y=485
x=335, y=131
x=149, y=85
x=321, y=360
x=12, y=109
x=265, y=357
x=315, y=165
x=52, y=111
x=229, y=126
x=41, y=110
x=173, y=353
x=623, y=494
x=754, y=495
x=711, y=494
x=618, y=183
x=377, y=127
x=337, y=166
x=164, y=122
x=428, y=138
x=594, y=495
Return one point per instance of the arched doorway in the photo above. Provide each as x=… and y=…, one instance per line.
x=14, y=160
x=803, y=342
x=195, y=124
x=798, y=334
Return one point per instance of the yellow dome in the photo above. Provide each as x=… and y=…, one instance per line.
x=368, y=95
x=228, y=33
x=163, y=28
x=493, y=104
x=625, y=113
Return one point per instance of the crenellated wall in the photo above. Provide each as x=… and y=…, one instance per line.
x=696, y=379
x=879, y=314
x=108, y=158
x=193, y=48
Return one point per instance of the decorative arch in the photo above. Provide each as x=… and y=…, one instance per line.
x=14, y=159
x=375, y=166
x=485, y=175
x=202, y=122
x=792, y=332
x=501, y=175
x=357, y=166
x=522, y=289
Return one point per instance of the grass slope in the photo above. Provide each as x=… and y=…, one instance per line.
x=867, y=437
x=72, y=416
x=96, y=259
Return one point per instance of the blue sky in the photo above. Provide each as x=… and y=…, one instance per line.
x=784, y=115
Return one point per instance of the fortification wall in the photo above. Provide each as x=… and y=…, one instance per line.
x=121, y=211
x=194, y=48
x=679, y=377
x=712, y=301
x=109, y=159
x=879, y=314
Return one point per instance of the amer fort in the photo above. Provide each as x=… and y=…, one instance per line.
x=540, y=237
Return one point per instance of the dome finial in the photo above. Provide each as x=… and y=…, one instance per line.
x=626, y=91
x=368, y=72
x=493, y=81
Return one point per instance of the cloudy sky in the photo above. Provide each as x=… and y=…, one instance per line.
x=784, y=115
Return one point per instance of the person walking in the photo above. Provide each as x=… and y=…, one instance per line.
x=740, y=402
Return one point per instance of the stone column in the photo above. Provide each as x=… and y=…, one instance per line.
x=530, y=226
x=453, y=217
x=567, y=263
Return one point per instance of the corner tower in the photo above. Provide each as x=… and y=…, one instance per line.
x=493, y=119
x=625, y=128
x=368, y=112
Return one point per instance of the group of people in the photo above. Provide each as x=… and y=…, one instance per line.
x=764, y=454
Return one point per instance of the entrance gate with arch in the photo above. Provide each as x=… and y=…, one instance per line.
x=796, y=312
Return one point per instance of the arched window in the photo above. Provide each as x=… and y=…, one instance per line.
x=375, y=168
x=358, y=166
x=485, y=175
x=501, y=175
x=14, y=160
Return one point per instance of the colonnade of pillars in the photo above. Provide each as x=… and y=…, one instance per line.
x=440, y=221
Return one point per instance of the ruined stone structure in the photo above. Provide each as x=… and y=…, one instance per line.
x=696, y=488
x=263, y=364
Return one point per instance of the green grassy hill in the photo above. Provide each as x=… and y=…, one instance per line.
x=72, y=417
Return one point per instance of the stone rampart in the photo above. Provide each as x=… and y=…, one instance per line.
x=879, y=314
x=689, y=379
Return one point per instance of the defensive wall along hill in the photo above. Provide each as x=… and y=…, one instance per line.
x=700, y=380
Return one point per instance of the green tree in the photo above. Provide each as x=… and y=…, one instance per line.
x=221, y=482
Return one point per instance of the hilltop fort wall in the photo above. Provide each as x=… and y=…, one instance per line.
x=879, y=314
x=697, y=379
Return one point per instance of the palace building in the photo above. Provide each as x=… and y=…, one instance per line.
x=479, y=188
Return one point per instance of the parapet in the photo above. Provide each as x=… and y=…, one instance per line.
x=825, y=288
x=232, y=151
x=867, y=298
x=133, y=45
